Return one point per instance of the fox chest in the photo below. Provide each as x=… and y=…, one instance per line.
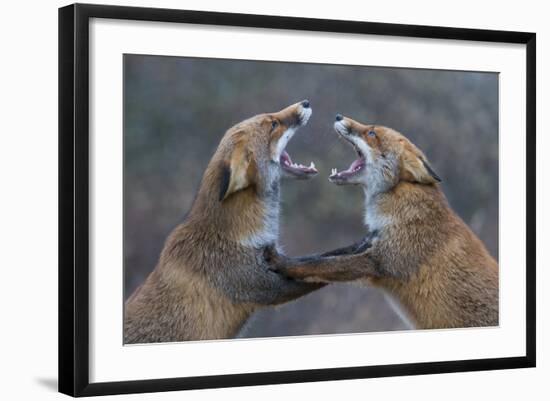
x=375, y=220
x=265, y=232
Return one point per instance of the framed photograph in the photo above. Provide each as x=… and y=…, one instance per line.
x=252, y=199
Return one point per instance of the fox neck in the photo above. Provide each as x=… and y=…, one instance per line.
x=401, y=202
x=375, y=193
x=249, y=216
x=374, y=219
x=380, y=175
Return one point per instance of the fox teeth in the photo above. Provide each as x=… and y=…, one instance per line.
x=311, y=165
x=334, y=171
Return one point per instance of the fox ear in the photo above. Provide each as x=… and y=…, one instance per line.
x=416, y=169
x=430, y=171
x=235, y=172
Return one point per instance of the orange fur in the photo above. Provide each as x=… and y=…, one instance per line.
x=422, y=252
x=211, y=275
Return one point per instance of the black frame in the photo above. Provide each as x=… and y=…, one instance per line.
x=74, y=191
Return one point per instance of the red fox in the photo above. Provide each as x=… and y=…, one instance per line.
x=418, y=249
x=212, y=273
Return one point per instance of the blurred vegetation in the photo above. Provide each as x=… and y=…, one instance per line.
x=177, y=109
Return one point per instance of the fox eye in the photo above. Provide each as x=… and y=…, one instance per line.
x=371, y=133
x=274, y=124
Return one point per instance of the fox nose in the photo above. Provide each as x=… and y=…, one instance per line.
x=305, y=104
x=339, y=117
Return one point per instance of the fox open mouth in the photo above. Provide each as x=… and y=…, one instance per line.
x=355, y=168
x=294, y=169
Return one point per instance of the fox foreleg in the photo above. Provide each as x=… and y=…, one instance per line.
x=256, y=283
x=329, y=269
x=358, y=247
x=342, y=264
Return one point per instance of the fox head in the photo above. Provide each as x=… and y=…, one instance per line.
x=385, y=157
x=252, y=153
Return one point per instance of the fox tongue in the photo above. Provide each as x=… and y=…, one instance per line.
x=357, y=165
x=287, y=164
x=285, y=158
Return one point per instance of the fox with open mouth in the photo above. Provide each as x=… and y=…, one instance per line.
x=418, y=249
x=212, y=273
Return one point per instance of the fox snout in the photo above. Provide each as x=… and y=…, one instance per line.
x=285, y=123
x=295, y=115
x=340, y=125
x=346, y=126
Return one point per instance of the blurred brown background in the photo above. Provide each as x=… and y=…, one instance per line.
x=177, y=109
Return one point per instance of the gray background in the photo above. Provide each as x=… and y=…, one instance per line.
x=177, y=109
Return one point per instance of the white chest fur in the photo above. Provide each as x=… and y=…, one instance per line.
x=268, y=233
x=374, y=219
